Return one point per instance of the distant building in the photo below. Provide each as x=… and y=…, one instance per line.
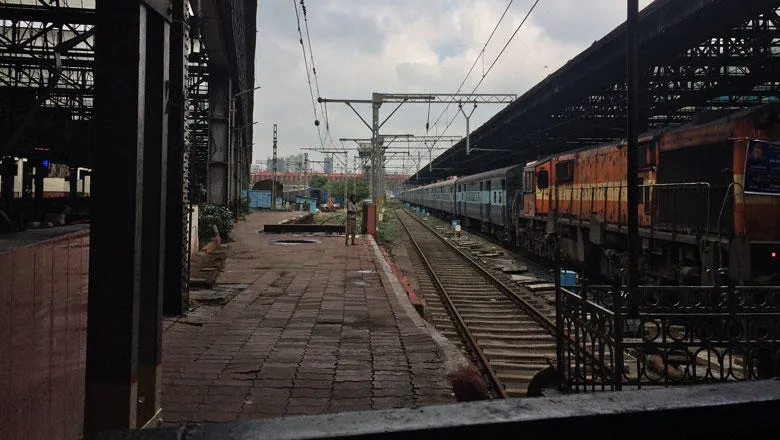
x=295, y=162
x=328, y=165
x=280, y=165
x=257, y=166
x=297, y=178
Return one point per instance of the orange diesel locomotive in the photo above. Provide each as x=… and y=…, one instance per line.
x=709, y=198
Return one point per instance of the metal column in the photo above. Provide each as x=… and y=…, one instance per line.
x=219, y=139
x=155, y=188
x=128, y=215
x=73, y=183
x=176, y=276
x=7, y=173
x=27, y=180
x=632, y=133
x=238, y=169
x=376, y=146
x=40, y=174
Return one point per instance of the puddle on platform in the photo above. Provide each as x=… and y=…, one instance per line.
x=294, y=242
x=230, y=286
x=358, y=282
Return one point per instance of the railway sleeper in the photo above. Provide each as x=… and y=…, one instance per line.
x=482, y=304
x=533, y=331
x=516, y=367
x=510, y=337
x=522, y=324
x=519, y=377
x=520, y=354
x=544, y=347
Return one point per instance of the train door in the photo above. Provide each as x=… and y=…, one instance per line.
x=504, y=204
x=647, y=166
x=458, y=199
x=481, y=200
x=529, y=192
x=463, y=199
x=490, y=195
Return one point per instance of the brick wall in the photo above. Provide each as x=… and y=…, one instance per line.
x=43, y=322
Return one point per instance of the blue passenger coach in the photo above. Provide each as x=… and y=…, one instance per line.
x=484, y=200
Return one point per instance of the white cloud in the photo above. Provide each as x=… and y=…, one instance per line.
x=408, y=46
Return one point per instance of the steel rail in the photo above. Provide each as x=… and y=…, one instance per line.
x=461, y=323
x=535, y=314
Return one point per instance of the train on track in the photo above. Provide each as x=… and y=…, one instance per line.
x=709, y=199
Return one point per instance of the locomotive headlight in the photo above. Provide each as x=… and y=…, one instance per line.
x=773, y=254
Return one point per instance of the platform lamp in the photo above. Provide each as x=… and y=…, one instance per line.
x=236, y=95
x=233, y=102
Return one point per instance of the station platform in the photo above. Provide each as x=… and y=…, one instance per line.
x=307, y=326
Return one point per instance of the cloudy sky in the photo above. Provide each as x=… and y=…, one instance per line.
x=407, y=46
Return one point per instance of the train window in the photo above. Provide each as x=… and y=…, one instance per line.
x=564, y=171
x=543, y=179
x=495, y=199
x=642, y=156
x=651, y=162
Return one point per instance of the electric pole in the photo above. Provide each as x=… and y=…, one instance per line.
x=273, y=184
x=306, y=170
x=354, y=181
x=346, y=173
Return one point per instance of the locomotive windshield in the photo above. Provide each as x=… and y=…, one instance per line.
x=762, y=168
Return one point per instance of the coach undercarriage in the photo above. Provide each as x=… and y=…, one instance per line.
x=683, y=259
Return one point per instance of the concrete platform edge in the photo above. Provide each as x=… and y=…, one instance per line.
x=453, y=357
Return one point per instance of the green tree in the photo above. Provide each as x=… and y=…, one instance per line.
x=353, y=186
x=318, y=181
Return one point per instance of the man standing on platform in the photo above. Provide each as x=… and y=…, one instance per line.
x=352, y=208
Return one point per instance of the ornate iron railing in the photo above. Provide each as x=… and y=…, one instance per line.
x=667, y=335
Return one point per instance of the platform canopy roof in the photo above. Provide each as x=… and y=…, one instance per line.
x=713, y=56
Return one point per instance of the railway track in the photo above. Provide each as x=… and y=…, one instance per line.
x=506, y=331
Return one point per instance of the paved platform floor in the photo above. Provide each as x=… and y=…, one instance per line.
x=314, y=328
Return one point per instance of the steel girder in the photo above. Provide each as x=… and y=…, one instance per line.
x=198, y=119
x=32, y=30
x=47, y=78
x=30, y=50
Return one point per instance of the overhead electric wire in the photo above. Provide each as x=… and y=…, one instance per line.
x=323, y=109
x=476, y=60
x=503, y=49
x=311, y=52
x=528, y=14
x=308, y=76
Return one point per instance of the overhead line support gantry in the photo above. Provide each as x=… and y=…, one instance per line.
x=378, y=99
